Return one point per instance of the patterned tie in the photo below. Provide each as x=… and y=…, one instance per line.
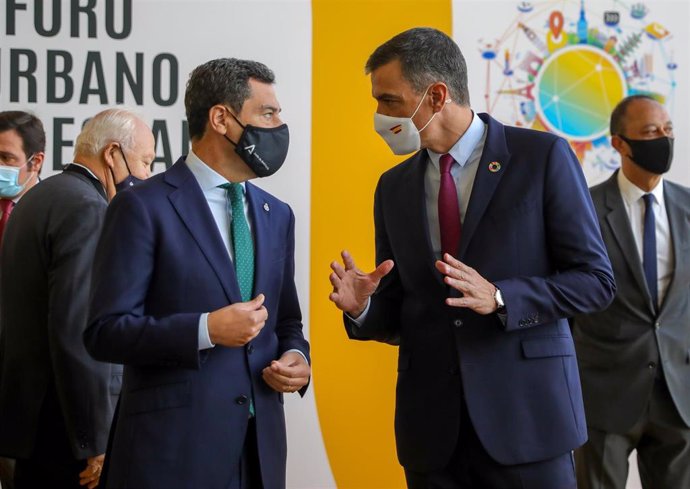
x=243, y=247
x=649, y=248
x=448, y=209
x=6, y=207
x=242, y=243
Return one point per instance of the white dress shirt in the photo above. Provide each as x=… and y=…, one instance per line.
x=635, y=208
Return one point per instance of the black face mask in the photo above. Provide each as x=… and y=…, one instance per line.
x=263, y=149
x=129, y=181
x=653, y=155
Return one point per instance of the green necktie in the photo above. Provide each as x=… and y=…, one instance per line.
x=242, y=243
x=243, y=247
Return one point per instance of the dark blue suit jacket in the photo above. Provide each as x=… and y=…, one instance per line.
x=160, y=263
x=531, y=229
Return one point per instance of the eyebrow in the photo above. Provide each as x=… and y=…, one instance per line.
x=271, y=107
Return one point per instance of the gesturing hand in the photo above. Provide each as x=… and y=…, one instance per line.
x=478, y=293
x=352, y=287
x=239, y=323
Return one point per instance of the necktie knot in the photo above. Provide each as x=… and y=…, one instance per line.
x=234, y=191
x=446, y=162
x=648, y=199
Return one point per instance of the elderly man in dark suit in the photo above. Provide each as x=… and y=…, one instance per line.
x=56, y=402
x=486, y=241
x=635, y=355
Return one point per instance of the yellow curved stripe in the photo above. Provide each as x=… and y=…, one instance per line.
x=354, y=382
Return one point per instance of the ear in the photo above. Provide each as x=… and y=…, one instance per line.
x=36, y=162
x=439, y=95
x=109, y=152
x=619, y=145
x=217, y=116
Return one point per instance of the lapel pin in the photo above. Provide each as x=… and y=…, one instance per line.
x=266, y=207
x=494, y=166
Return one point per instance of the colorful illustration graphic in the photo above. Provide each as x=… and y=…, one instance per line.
x=562, y=66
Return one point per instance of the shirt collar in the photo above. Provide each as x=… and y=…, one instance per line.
x=207, y=177
x=87, y=169
x=463, y=148
x=631, y=193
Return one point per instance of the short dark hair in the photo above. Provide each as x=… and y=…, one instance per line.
x=426, y=56
x=28, y=126
x=220, y=81
x=617, y=124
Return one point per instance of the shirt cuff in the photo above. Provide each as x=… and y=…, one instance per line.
x=359, y=320
x=296, y=350
x=204, y=338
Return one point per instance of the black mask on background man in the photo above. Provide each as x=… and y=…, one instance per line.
x=653, y=155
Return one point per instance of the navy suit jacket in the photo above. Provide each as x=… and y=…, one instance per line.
x=531, y=229
x=160, y=264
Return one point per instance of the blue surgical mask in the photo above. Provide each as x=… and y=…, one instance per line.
x=9, y=180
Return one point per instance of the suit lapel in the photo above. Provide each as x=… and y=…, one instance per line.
x=679, y=222
x=191, y=206
x=618, y=221
x=260, y=213
x=486, y=181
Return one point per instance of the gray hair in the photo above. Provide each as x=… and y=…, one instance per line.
x=426, y=56
x=115, y=125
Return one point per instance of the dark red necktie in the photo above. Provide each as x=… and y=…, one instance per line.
x=448, y=209
x=6, y=206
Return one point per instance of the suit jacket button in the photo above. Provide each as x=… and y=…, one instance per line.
x=241, y=399
x=457, y=323
x=250, y=349
x=651, y=365
x=657, y=325
x=83, y=445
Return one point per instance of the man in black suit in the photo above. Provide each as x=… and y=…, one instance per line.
x=56, y=402
x=635, y=355
x=22, y=150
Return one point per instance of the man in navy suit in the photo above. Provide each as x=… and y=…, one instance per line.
x=194, y=292
x=486, y=241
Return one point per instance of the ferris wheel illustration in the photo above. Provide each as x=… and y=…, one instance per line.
x=561, y=66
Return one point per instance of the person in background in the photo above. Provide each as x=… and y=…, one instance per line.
x=56, y=402
x=634, y=356
x=22, y=150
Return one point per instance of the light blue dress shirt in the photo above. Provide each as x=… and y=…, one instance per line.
x=466, y=152
x=209, y=180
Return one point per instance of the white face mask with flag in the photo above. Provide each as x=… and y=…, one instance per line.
x=400, y=133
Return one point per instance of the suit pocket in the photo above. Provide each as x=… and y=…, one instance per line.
x=158, y=397
x=553, y=346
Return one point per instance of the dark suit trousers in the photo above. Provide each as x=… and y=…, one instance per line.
x=250, y=469
x=51, y=464
x=471, y=467
x=662, y=442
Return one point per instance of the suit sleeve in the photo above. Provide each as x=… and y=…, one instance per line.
x=382, y=322
x=82, y=385
x=581, y=279
x=119, y=331
x=289, y=324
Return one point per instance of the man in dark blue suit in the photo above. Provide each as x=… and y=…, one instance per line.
x=194, y=292
x=486, y=241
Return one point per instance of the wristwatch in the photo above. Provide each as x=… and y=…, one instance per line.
x=498, y=298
